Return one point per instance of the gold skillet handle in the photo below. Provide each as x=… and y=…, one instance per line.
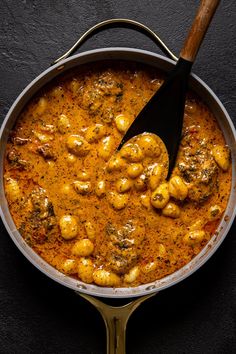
x=118, y=22
x=115, y=319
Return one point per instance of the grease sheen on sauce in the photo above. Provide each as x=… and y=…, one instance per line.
x=100, y=216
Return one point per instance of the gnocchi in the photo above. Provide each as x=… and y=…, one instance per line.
x=160, y=196
x=145, y=201
x=106, y=148
x=83, y=175
x=172, y=210
x=68, y=226
x=12, y=189
x=63, y=124
x=43, y=137
x=90, y=230
x=149, y=267
x=74, y=86
x=100, y=189
x=104, y=215
x=116, y=163
x=71, y=159
x=141, y=182
x=42, y=106
x=77, y=145
x=118, y=201
x=178, y=188
x=132, y=275
x=134, y=170
x=95, y=133
x=122, y=123
x=149, y=145
x=221, y=155
x=194, y=237
x=215, y=212
x=103, y=277
x=83, y=248
x=82, y=187
x=123, y=185
x=161, y=251
x=132, y=152
x=156, y=177
x=85, y=270
x=69, y=266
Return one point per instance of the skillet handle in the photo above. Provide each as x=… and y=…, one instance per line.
x=115, y=318
x=118, y=22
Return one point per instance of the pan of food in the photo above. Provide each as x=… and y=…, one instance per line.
x=111, y=225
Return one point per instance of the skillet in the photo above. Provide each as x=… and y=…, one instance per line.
x=116, y=318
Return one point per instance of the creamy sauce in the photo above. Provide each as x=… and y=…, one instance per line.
x=108, y=218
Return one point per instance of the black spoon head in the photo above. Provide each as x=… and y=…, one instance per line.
x=163, y=114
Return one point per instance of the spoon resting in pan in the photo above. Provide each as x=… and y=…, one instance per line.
x=163, y=114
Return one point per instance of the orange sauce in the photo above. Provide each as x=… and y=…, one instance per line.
x=61, y=190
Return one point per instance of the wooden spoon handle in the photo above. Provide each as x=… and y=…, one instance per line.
x=198, y=30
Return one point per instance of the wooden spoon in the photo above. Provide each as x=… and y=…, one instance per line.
x=163, y=114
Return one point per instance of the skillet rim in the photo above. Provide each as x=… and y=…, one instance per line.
x=226, y=126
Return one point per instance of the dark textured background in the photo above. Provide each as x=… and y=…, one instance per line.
x=40, y=316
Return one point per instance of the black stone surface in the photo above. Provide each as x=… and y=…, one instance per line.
x=40, y=316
